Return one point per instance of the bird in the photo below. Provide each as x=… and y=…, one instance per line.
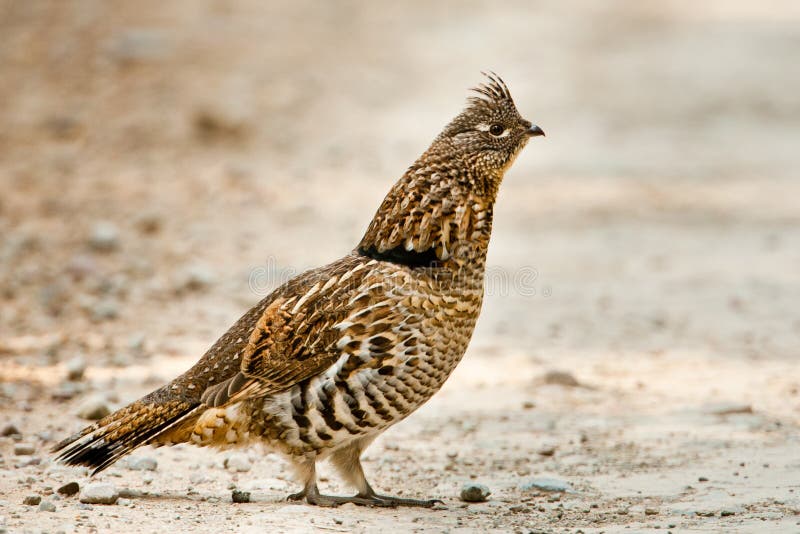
x=338, y=354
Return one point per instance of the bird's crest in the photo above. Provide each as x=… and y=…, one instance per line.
x=493, y=91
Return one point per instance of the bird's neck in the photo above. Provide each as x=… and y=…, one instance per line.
x=438, y=213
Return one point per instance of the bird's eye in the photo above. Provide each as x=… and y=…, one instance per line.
x=496, y=130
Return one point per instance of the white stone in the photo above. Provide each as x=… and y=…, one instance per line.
x=237, y=462
x=145, y=463
x=99, y=493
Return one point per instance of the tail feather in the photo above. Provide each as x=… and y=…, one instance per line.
x=117, y=434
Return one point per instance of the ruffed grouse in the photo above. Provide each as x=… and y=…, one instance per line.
x=328, y=361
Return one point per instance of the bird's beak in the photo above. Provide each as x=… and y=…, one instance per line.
x=534, y=131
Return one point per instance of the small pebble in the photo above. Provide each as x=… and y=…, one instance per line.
x=32, y=500
x=104, y=237
x=144, y=463
x=240, y=496
x=475, y=493
x=130, y=493
x=67, y=390
x=195, y=278
x=729, y=408
x=47, y=506
x=561, y=378
x=137, y=45
x=69, y=489
x=548, y=450
x=104, y=310
x=93, y=408
x=26, y=449
x=547, y=484
x=25, y=461
x=197, y=478
x=136, y=343
x=99, y=493
x=76, y=367
x=237, y=462
x=149, y=223
x=10, y=430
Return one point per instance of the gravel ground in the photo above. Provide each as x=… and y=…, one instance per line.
x=164, y=165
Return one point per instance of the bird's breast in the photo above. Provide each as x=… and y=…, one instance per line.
x=402, y=336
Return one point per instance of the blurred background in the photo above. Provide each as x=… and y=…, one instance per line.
x=205, y=139
x=164, y=164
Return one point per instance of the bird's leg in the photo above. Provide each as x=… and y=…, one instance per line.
x=310, y=492
x=306, y=470
x=348, y=462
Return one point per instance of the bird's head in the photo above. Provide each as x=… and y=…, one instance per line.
x=490, y=132
x=441, y=209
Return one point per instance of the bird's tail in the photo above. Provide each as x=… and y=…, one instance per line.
x=100, y=445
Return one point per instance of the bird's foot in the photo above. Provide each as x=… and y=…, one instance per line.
x=314, y=497
x=401, y=501
x=299, y=496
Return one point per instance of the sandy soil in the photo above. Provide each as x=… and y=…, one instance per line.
x=163, y=165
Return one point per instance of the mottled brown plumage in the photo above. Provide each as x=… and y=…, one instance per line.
x=335, y=356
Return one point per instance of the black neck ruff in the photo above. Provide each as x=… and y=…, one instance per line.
x=401, y=256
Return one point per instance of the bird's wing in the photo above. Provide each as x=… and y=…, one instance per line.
x=294, y=338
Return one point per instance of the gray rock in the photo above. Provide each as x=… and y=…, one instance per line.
x=474, y=493
x=67, y=390
x=69, y=489
x=93, y=408
x=237, y=462
x=138, y=45
x=25, y=461
x=25, y=449
x=104, y=237
x=560, y=378
x=81, y=266
x=195, y=278
x=120, y=359
x=99, y=493
x=546, y=484
x=76, y=367
x=104, y=310
x=238, y=496
x=32, y=500
x=198, y=478
x=144, y=463
x=130, y=493
x=47, y=506
x=136, y=343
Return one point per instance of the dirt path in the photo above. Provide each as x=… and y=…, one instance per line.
x=162, y=166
